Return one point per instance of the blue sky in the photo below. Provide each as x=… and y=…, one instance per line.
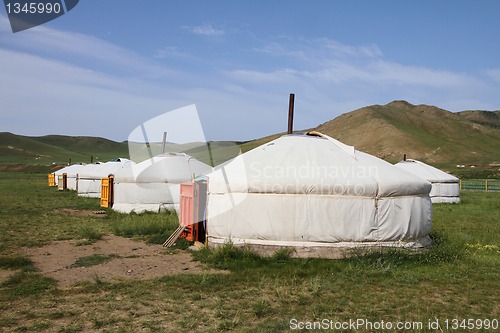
x=105, y=67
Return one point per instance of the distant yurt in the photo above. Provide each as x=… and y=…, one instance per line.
x=89, y=178
x=313, y=193
x=153, y=185
x=445, y=187
x=73, y=174
x=71, y=171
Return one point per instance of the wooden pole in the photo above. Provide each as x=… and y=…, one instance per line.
x=290, y=113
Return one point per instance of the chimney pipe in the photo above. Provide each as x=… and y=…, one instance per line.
x=164, y=141
x=404, y=157
x=91, y=159
x=290, y=113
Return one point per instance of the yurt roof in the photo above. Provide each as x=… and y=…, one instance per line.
x=166, y=167
x=310, y=163
x=426, y=171
x=71, y=169
x=105, y=169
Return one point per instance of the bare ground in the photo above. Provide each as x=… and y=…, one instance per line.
x=132, y=260
x=5, y=274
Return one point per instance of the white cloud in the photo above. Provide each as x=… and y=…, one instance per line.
x=205, y=30
x=317, y=51
x=93, y=53
x=493, y=74
x=324, y=61
x=170, y=52
x=338, y=49
x=45, y=96
x=69, y=83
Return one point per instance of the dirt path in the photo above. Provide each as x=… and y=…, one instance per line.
x=132, y=260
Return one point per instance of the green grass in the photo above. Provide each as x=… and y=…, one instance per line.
x=457, y=278
x=16, y=262
x=90, y=235
x=26, y=284
x=92, y=260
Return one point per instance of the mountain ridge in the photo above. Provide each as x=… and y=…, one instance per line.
x=389, y=131
x=421, y=131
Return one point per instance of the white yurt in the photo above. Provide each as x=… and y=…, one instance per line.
x=71, y=171
x=153, y=185
x=314, y=193
x=89, y=178
x=59, y=172
x=445, y=187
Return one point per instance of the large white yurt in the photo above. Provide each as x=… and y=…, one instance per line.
x=89, y=178
x=312, y=192
x=153, y=185
x=445, y=187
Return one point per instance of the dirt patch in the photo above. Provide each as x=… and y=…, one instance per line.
x=6, y=274
x=131, y=260
x=37, y=168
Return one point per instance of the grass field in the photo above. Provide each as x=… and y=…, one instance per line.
x=458, y=278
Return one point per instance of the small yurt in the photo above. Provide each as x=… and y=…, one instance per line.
x=73, y=174
x=89, y=178
x=71, y=171
x=445, y=187
x=313, y=193
x=153, y=185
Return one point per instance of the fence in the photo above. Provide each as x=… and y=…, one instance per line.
x=488, y=185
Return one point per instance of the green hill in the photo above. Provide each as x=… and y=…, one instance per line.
x=486, y=118
x=422, y=132
x=19, y=152
x=57, y=149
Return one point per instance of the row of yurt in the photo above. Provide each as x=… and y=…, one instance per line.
x=312, y=193
x=153, y=185
x=445, y=187
x=89, y=178
x=85, y=179
x=305, y=191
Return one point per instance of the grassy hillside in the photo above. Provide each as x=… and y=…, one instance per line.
x=486, y=118
x=422, y=132
x=58, y=149
x=32, y=153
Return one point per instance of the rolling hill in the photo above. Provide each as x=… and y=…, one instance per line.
x=423, y=132
x=57, y=149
